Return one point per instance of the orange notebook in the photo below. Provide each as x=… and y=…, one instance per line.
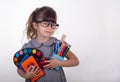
x=31, y=61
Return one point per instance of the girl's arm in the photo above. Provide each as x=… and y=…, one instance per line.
x=72, y=60
x=30, y=73
x=21, y=73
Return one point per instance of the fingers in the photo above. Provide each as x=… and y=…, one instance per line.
x=37, y=70
x=33, y=71
x=49, y=66
x=51, y=63
x=31, y=68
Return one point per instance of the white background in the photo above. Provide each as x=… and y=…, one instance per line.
x=92, y=28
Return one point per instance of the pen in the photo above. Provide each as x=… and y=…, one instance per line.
x=66, y=51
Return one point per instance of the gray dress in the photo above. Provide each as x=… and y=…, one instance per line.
x=51, y=75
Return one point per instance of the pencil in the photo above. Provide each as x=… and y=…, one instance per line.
x=66, y=51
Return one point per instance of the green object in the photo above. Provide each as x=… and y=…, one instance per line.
x=66, y=51
x=25, y=50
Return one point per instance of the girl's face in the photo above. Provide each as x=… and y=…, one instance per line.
x=45, y=29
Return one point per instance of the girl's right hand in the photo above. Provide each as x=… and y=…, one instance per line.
x=32, y=71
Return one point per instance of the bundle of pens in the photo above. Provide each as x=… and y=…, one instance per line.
x=60, y=50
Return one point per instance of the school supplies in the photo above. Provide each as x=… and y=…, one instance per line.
x=30, y=61
x=27, y=57
x=61, y=49
x=42, y=62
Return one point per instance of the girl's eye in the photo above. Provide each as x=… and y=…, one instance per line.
x=45, y=23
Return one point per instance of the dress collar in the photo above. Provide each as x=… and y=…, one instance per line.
x=48, y=43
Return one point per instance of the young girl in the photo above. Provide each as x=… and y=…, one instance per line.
x=41, y=25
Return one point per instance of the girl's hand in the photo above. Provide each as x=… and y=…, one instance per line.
x=32, y=72
x=52, y=63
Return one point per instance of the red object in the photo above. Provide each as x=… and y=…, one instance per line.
x=42, y=61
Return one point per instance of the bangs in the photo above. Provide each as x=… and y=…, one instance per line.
x=49, y=19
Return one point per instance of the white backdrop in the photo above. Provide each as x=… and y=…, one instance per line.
x=92, y=28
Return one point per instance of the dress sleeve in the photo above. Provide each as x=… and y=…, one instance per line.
x=27, y=45
x=24, y=46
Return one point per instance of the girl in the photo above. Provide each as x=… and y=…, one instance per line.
x=41, y=25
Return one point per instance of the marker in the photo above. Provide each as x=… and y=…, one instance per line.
x=66, y=51
x=63, y=49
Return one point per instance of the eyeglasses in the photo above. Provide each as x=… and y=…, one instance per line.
x=46, y=24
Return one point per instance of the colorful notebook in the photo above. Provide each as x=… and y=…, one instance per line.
x=30, y=61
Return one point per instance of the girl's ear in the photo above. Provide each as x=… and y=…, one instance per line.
x=35, y=25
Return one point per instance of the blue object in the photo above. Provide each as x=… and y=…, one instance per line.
x=29, y=50
x=59, y=57
x=57, y=47
x=26, y=56
x=17, y=54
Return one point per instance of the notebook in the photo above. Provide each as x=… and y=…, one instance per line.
x=31, y=61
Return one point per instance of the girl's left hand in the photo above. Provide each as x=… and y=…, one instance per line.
x=52, y=63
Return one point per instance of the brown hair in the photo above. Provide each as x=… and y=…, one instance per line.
x=39, y=14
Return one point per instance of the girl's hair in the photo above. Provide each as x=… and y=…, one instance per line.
x=39, y=14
